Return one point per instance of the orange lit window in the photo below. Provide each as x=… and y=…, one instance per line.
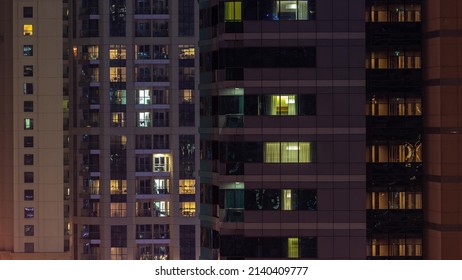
x=28, y=30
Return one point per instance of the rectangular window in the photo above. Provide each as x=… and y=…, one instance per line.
x=28, y=212
x=28, y=159
x=28, y=124
x=27, y=12
x=118, y=209
x=118, y=119
x=28, y=88
x=188, y=209
x=28, y=71
x=285, y=105
x=117, y=18
x=287, y=152
x=292, y=248
x=28, y=50
x=28, y=106
x=28, y=141
x=233, y=11
x=29, y=247
x=118, y=52
x=28, y=230
x=143, y=97
x=143, y=119
x=28, y=177
x=28, y=195
x=28, y=30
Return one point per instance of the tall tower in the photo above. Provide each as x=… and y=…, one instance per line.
x=394, y=129
x=31, y=88
x=283, y=171
x=133, y=129
x=442, y=129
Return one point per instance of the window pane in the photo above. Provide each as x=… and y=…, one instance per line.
x=28, y=30
x=272, y=152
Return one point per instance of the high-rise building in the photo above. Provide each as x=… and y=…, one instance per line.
x=394, y=129
x=32, y=188
x=283, y=129
x=133, y=129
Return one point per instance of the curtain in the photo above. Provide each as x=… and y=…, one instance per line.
x=272, y=152
x=304, y=152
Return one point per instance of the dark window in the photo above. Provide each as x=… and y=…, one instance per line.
x=28, y=106
x=262, y=199
x=306, y=104
x=28, y=177
x=28, y=71
x=28, y=194
x=28, y=88
x=29, y=230
x=118, y=236
x=186, y=17
x=28, y=212
x=186, y=114
x=307, y=200
x=187, y=242
x=28, y=247
x=28, y=50
x=28, y=141
x=27, y=12
x=308, y=247
x=28, y=159
x=117, y=17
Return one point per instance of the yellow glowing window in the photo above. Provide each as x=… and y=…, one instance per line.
x=188, y=209
x=28, y=30
x=292, y=247
x=287, y=152
x=233, y=11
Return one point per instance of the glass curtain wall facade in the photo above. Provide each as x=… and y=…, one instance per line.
x=282, y=92
x=394, y=129
x=134, y=135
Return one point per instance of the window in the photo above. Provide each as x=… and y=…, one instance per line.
x=143, y=97
x=28, y=212
x=118, y=209
x=186, y=18
x=186, y=51
x=394, y=152
x=28, y=247
x=28, y=30
x=186, y=96
x=287, y=152
x=288, y=10
x=394, y=200
x=28, y=177
x=28, y=159
x=28, y=50
x=28, y=141
x=188, y=209
x=280, y=105
x=28, y=88
x=118, y=97
x=118, y=74
x=289, y=199
x=28, y=71
x=27, y=12
x=28, y=230
x=385, y=106
x=28, y=124
x=117, y=17
x=28, y=106
x=29, y=195
x=161, y=163
x=118, y=119
x=233, y=11
x=161, y=209
x=187, y=186
x=118, y=52
x=143, y=119
x=143, y=231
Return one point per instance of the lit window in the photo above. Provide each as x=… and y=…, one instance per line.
x=187, y=186
x=161, y=163
x=289, y=200
x=288, y=152
x=186, y=96
x=118, y=74
x=118, y=186
x=118, y=209
x=118, y=97
x=292, y=248
x=186, y=51
x=289, y=10
x=161, y=208
x=233, y=11
x=285, y=105
x=118, y=52
x=28, y=124
x=161, y=186
x=144, y=119
x=28, y=30
x=188, y=209
x=143, y=97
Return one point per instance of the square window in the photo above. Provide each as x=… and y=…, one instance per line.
x=28, y=177
x=29, y=195
x=28, y=230
x=28, y=124
x=28, y=141
x=28, y=212
x=28, y=247
x=28, y=88
x=28, y=106
x=27, y=50
x=28, y=30
x=28, y=159
x=27, y=12
x=28, y=70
